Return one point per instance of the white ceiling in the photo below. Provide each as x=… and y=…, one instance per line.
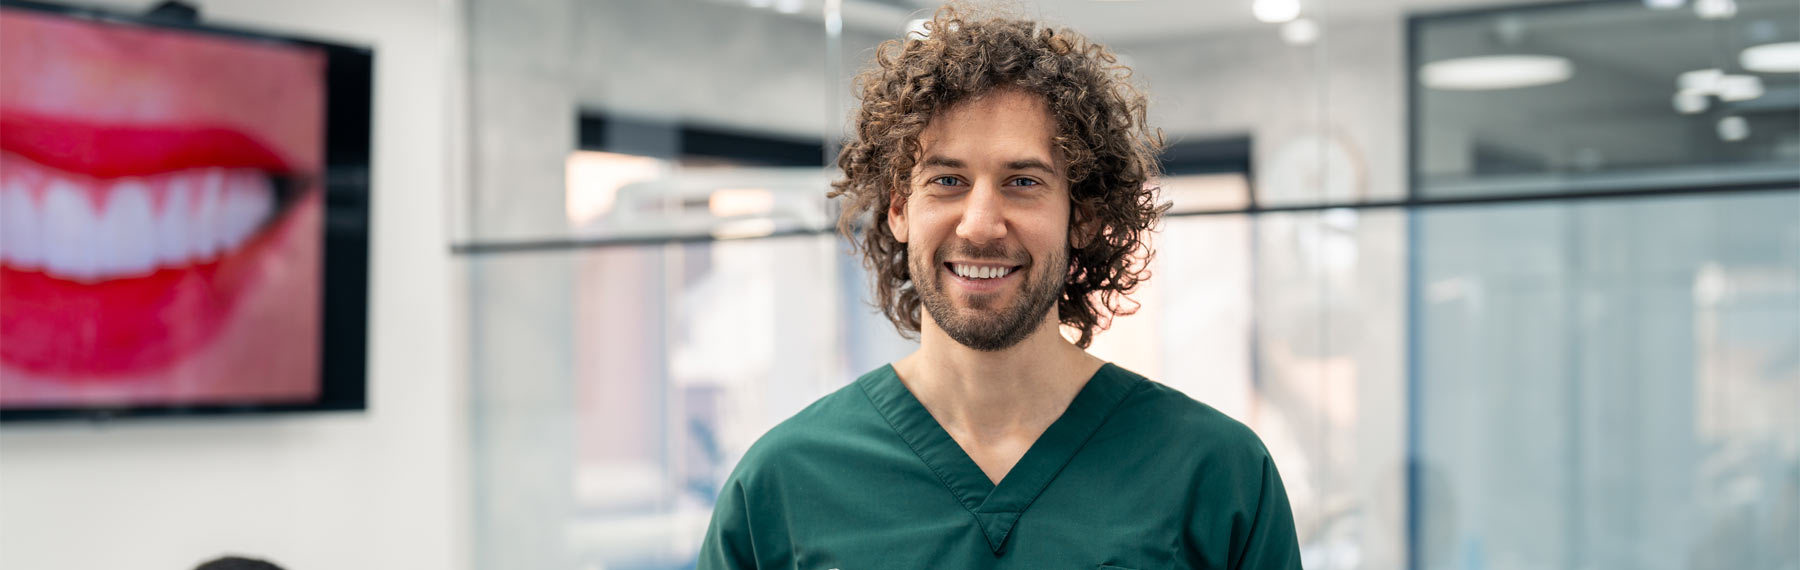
x=1130, y=21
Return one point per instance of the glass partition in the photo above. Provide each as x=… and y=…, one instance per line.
x=1609, y=384
x=1586, y=97
x=1459, y=355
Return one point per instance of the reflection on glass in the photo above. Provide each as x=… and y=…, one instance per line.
x=1604, y=97
x=1273, y=321
x=594, y=180
x=1610, y=384
x=1206, y=192
x=615, y=196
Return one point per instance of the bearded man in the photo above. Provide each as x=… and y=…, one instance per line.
x=999, y=186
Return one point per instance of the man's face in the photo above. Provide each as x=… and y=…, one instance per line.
x=987, y=224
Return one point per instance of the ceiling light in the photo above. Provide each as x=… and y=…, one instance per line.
x=1276, y=11
x=1300, y=32
x=1733, y=129
x=789, y=6
x=1715, y=9
x=1740, y=87
x=1702, y=80
x=1691, y=102
x=1488, y=72
x=1783, y=57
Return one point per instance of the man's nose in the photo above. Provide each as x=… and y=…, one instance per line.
x=984, y=215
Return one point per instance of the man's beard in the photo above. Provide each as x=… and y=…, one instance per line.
x=982, y=326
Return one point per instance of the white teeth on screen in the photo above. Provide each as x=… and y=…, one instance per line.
x=244, y=204
x=203, y=233
x=70, y=234
x=172, y=226
x=19, y=227
x=204, y=212
x=125, y=232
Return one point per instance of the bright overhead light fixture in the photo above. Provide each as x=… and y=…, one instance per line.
x=1691, y=102
x=1275, y=11
x=1489, y=72
x=1782, y=57
x=1715, y=9
x=1740, y=87
x=1701, y=80
x=1300, y=32
x=1733, y=129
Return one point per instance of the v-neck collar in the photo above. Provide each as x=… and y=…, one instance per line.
x=996, y=508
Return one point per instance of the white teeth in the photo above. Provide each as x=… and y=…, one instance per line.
x=979, y=272
x=244, y=203
x=203, y=239
x=69, y=236
x=125, y=231
x=19, y=227
x=172, y=225
x=204, y=212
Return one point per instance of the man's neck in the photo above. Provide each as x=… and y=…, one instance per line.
x=982, y=397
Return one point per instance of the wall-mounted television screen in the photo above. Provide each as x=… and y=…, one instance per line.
x=183, y=217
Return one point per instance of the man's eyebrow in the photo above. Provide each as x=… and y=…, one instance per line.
x=1021, y=164
x=946, y=162
x=1029, y=164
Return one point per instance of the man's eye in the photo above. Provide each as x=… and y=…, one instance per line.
x=946, y=181
x=1024, y=182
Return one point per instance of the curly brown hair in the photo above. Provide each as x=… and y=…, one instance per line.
x=1102, y=136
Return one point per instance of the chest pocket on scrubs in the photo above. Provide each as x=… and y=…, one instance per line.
x=1111, y=567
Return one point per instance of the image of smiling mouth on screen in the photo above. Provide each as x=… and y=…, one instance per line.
x=160, y=216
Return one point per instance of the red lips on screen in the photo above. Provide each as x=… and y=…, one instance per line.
x=160, y=218
x=172, y=217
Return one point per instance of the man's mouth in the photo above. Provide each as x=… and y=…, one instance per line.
x=980, y=271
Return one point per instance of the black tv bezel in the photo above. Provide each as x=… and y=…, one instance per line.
x=349, y=98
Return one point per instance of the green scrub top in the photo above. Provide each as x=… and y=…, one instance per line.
x=1134, y=475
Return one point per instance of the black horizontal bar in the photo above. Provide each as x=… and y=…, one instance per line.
x=1500, y=199
x=586, y=243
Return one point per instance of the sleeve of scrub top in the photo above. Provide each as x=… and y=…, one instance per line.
x=1271, y=543
x=728, y=542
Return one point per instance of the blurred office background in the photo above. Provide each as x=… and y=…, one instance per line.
x=1501, y=285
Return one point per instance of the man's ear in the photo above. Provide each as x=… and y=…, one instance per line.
x=896, y=216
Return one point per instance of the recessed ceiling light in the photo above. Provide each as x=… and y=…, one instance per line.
x=1276, y=11
x=1740, y=87
x=1782, y=57
x=1690, y=102
x=1733, y=129
x=1715, y=9
x=1489, y=72
x=1300, y=32
x=1702, y=80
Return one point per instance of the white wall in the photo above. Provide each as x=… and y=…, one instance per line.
x=384, y=488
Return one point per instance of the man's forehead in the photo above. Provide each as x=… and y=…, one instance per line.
x=1010, y=129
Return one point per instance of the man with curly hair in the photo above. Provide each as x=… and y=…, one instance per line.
x=999, y=186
